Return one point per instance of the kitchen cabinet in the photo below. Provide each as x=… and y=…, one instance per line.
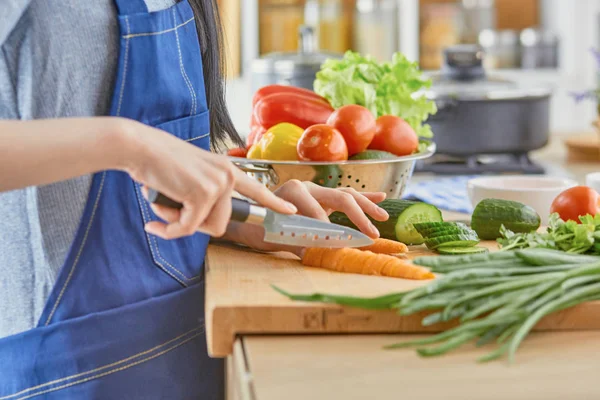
x=356, y=367
x=548, y=366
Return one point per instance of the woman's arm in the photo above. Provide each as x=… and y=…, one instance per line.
x=39, y=152
x=45, y=151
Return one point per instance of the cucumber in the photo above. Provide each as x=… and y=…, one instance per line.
x=403, y=214
x=460, y=240
x=438, y=225
x=440, y=230
x=373, y=155
x=327, y=175
x=490, y=214
x=461, y=250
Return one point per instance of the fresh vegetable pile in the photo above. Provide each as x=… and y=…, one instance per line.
x=336, y=122
x=493, y=297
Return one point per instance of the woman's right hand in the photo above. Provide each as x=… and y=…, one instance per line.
x=202, y=181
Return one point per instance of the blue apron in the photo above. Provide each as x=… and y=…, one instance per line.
x=125, y=318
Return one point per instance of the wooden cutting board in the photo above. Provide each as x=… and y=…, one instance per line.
x=240, y=300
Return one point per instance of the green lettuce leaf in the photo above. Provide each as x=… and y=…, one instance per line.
x=384, y=88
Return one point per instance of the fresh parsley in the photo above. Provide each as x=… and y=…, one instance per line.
x=568, y=236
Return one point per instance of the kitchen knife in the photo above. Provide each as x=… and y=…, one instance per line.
x=291, y=230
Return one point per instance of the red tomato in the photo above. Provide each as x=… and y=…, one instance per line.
x=576, y=202
x=322, y=143
x=394, y=135
x=272, y=89
x=356, y=124
x=239, y=152
x=297, y=109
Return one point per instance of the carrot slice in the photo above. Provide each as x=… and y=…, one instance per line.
x=364, y=262
x=386, y=246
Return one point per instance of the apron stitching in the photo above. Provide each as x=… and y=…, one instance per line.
x=102, y=367
x=112, y=371
x=134, y=35
x=183, y=73
x=85, y=236
x=152, y=239
x=124, y=69
x=198, y=137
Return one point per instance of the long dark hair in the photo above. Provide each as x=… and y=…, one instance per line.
x=210, y=34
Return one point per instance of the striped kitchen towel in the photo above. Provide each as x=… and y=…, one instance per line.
x=448, y=194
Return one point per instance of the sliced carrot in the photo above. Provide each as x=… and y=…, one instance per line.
x=364, y=262
x=386, y=246
x=312, y=256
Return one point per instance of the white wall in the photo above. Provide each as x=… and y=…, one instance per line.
x=576, y=22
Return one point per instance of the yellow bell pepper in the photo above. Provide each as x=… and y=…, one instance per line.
x=254, y=153
x=279, y=142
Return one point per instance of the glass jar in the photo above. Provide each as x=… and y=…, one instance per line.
x=376, y=28
x=440, y=27
x=334, y=25
x=279, y=22
x=478, y=15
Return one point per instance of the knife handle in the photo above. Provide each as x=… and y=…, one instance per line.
x=240, y=209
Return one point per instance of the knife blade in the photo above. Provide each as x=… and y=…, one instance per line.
x=291, y=230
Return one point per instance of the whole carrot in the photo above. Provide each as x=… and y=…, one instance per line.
x=386, y=246
x=357, y=261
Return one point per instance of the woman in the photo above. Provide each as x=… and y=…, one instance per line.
x=101, y=293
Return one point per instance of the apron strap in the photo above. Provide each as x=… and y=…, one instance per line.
x=127, y=7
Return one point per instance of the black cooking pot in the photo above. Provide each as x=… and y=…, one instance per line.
x=478, y=114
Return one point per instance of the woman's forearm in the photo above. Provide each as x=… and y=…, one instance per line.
x=45, y=151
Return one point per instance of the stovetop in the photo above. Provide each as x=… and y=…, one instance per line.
x=479, y=164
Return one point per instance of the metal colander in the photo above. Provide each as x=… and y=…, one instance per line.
x=389, y=175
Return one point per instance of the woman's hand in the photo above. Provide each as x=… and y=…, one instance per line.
x=202, y=181
x=316, y=202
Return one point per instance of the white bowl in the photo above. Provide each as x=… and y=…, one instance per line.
x=537, y=192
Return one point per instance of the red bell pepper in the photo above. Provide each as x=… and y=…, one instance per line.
x=273, y=89
x=293, y=108
x=237, y=152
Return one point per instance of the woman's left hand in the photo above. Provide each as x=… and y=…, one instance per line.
x=316, y=202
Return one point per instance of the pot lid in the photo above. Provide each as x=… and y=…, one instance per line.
x=306, y=61
x=463, y=77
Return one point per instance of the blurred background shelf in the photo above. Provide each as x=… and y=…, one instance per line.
x=540, y=40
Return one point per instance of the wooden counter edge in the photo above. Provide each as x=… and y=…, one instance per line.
x=222, y=331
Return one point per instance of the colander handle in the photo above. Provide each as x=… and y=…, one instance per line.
x=254, y=169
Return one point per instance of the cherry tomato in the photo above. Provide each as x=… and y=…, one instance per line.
x=238, y=152
x=272, y=89
x=297, y=109
x=322, y=143
x=576, y=202
x=356, y=124
x=394, y=135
